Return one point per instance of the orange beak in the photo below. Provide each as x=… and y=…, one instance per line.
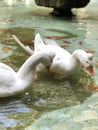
x=82, y=66
x=48, y=68
x=90, y=69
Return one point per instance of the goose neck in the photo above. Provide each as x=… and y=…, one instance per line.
x=27, y=69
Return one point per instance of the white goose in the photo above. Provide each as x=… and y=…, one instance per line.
x=64, y=64
x=12, y=83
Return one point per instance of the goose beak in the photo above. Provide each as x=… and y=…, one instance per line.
x=48, y=68
x=90, y=69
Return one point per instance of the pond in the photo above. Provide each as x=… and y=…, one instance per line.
x=25, y=19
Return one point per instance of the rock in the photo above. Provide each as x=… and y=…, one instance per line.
x=79, y=117
x=62, y=7
x=67, y=4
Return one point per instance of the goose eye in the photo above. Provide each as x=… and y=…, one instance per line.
x=90, y=58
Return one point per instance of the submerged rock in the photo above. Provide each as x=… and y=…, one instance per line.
x=62, y=7
x=79, y=117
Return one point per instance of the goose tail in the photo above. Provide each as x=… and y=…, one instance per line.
x=50, y=42
x=38, y=43
x=26, y=48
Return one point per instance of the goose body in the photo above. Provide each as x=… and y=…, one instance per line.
x=64, y=63
x=12, y=82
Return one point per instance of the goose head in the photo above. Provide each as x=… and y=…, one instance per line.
x=86, y=59
x=47, y=59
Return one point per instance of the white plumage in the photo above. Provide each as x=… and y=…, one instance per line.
x=12, y=82
x=64, y=63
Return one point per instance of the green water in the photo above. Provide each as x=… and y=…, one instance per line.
x=25, y=19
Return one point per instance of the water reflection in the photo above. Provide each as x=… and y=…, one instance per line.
x=10, y=2
x=14, y=112
x=27, y=2
x=94, y=1
x=13, y=2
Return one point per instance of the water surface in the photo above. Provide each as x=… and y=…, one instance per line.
x=25, y=19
